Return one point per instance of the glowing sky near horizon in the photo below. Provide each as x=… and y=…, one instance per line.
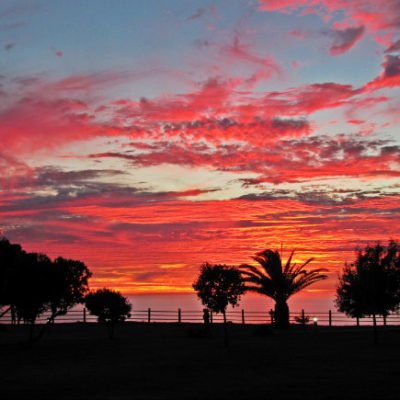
x=145, y=138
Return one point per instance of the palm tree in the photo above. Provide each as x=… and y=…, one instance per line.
x=277, y=282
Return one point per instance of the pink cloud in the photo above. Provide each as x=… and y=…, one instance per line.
x=30, y=124
x=218, y=100
x=286, y=5
x=13, y=172
x=377, y=16
x=217, y=110
x=310, y=98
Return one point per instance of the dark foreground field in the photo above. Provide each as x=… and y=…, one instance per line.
x=159, y=361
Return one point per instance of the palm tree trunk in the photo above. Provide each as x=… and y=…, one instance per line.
x=281, y=314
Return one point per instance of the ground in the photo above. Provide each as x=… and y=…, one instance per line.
x=165, y=361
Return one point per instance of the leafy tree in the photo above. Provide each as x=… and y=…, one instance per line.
x=69, y=281
x=11, y=256
x=31, y=284
x=371, y=284
x=109, y=306
x=31, y=288
x=217, y=286
x=271, y=279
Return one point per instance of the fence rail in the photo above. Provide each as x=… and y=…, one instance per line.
x=327, y=318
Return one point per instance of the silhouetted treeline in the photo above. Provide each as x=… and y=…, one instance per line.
x=32, y=283
x=368, y=286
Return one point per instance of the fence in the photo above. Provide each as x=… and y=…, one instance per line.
x=149, y=315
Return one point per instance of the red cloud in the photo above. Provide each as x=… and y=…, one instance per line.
x=30, y=124
x=296, y=160
x=230, y=231
x=219, y=125
x=41, y=114
x=310, y=98
x=217, y=111
x=375, y=15
x=13, y=172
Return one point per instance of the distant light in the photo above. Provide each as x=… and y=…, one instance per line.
x=315, y=319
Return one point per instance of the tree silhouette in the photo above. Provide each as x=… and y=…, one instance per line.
x=31, y=284
x=68, y=285
x=11, y=256
x=31, y=289
x=371, y=284
x=271, y=279
x=217, y=286
x=109, y=306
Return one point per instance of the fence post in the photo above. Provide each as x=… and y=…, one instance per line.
x=330, y=317
x=358, y=321
x=13, y=319
x=384, y=320
x=303, y=317
x=149, y=315
x=211, y=317
x=243, y=320
x=271, y=314
x=84, y=314
x=179, y=316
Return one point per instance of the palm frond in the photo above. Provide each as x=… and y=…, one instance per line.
x=297, y=269
x=264, y=285
x=288, y=263
x=271, y=262
x=308, y=279
x=270, y=279
x=251, y=270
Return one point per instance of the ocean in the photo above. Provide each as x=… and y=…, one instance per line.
x=253, y=308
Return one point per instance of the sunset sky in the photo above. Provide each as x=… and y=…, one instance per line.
x=146, y=137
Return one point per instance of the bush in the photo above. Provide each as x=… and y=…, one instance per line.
x=109, y=306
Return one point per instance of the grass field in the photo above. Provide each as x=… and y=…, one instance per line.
x=160, y=361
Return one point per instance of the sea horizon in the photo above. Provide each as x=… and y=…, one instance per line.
x=250, y=302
